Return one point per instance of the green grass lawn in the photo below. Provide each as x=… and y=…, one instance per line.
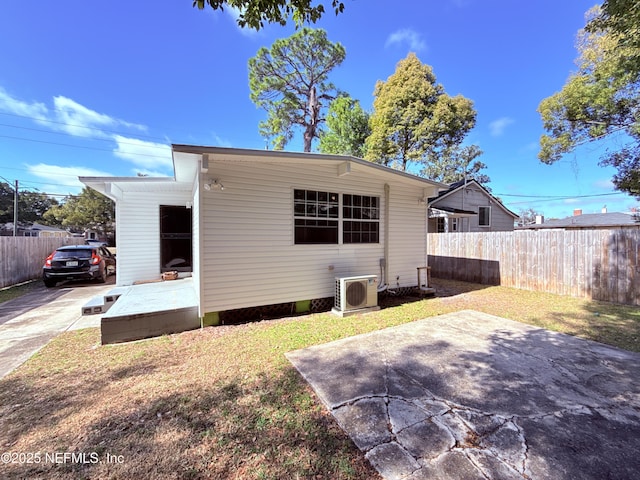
x=223, y=402
x=9, y=293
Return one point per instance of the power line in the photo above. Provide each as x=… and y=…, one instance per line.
x=559, y=197
x=79, y=146
x=110, y=139
x=46, y=120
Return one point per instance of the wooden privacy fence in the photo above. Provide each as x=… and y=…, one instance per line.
x=22, y=258
x=596, y=264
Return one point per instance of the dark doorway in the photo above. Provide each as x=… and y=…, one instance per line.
x=175, y=239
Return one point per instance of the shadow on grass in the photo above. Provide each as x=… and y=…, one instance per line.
x=263, y=427
x=443, y=288
x=611, y=324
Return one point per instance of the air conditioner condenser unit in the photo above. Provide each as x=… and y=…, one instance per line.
x=356, y=295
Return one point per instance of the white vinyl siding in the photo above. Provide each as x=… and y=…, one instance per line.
x=407, y=236
x=249, y=257
x=196, y=243
x=138, y=233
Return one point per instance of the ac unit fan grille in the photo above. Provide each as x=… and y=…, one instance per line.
x=356, y=294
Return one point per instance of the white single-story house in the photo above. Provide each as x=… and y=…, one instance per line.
x=259, y=227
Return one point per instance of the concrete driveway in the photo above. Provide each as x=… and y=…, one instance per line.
x=29, y=322
x=473, y=396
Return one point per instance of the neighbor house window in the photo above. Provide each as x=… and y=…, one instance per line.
x=441, y=228
x=316, y=217
x=484, y=216
x=361, y=219
x=453, y=223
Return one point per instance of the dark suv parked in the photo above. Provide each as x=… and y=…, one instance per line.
x=78, y=262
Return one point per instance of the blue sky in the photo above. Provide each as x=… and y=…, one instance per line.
x=103, y=88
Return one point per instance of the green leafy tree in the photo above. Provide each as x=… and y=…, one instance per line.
x=290, y=81
x=253, y=13
x=6, y=203
x=458, y=163
x=528, y=216
x=31, y=205
x=414, y=120
x=622, y=19
x=348, y=128
x=89, y=210
x=600, y=100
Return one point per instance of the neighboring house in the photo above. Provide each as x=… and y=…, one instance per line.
x=589, y=221
x=466, y=206
x=258, y=227
x=37, y=230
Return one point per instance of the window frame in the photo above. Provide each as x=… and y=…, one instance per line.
x=367, y=209
x=307, y=210
x=362, y=211
x=486, y=208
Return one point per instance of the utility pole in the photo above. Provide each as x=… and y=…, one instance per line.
x=15, y=210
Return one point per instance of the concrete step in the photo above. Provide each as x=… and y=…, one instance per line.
x=102, y=303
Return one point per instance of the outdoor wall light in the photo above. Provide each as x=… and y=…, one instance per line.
x=213, y=184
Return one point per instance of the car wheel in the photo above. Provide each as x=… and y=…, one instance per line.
x=49, y=283
x=103, y=275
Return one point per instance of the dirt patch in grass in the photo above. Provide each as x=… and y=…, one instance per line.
x=223, y=402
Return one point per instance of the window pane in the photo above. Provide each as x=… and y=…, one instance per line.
x=316, y=232
x=311, y=210
x=484, y=216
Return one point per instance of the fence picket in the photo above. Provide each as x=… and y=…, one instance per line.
x=597, y=264
x=21, y=258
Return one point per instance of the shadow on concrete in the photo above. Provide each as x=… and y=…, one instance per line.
x=469, y=395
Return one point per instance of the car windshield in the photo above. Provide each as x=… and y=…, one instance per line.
x=79, y=253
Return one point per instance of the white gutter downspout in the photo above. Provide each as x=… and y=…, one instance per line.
x=384, y=284
x=426, y=235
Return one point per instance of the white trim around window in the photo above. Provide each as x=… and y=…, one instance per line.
x=484, y=216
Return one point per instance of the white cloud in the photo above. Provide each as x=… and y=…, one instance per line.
x=497, y=127
x=234, y=14
x=408, y=36
x=80, y=121
x=604, y=184
x=75, y=119
x=221, y=142
x=63, y=180
x=9, y=104
x=151, y=156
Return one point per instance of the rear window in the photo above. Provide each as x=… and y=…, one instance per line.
x=80, y=253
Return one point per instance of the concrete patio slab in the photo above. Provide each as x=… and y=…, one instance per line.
x=469, y=395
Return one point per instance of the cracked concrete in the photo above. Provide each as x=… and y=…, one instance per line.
x=473, y=396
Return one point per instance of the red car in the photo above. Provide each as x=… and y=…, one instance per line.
x=78, y=262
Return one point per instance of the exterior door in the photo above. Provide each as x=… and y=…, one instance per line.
x=176, y=251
